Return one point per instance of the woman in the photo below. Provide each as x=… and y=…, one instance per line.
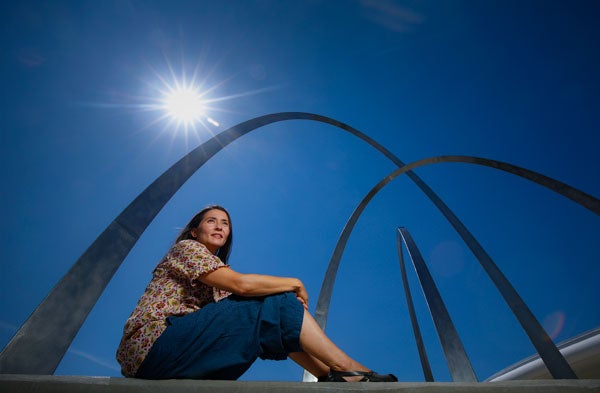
x=200, y=319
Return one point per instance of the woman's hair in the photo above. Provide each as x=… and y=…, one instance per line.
x=223, y=252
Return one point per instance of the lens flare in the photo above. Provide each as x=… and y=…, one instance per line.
x=554, y=323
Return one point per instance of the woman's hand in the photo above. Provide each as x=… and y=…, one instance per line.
x=302, y=295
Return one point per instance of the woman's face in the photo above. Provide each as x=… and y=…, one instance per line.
x=213, y=230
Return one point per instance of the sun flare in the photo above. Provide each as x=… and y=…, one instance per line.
x=184, y=105
x=183, y=102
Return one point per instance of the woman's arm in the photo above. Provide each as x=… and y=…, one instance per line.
x=254, y=284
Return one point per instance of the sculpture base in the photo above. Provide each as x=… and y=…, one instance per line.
x=71, y=384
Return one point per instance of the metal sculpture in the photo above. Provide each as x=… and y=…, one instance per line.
x=41, y=342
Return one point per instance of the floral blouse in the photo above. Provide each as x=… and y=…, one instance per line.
x=174, y=290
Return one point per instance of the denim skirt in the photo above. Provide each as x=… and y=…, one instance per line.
x=223, y=339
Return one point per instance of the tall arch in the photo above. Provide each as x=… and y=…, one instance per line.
x=41, y=342
x=555, y=362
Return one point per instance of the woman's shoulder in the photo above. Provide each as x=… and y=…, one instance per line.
x=191, y=254
x=189, y=244
x=190, y=249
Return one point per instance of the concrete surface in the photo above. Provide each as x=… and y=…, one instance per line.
x=70, y=384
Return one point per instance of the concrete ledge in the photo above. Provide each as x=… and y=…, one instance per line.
x=71, y=384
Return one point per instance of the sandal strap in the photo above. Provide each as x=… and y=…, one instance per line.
x=367, y=376
x=338, y=376
x=351, y=373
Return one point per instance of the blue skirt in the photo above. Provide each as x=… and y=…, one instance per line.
x=222, y=340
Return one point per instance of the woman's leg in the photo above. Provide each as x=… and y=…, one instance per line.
x=315, y=343
x=310, y=363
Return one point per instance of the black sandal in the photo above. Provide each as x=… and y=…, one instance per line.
x=368, y=376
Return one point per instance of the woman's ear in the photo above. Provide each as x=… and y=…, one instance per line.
x=193, y=233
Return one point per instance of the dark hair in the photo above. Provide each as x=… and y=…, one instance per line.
x=223, y=252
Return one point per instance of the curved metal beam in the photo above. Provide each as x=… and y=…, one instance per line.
x=458, y=362
x=411, y=310
x=41, y=342
x=555, y=362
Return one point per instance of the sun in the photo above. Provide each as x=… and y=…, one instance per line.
x=180, y=103
x=184, y=105
x=183, y=102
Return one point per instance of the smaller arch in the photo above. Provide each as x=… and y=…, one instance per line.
x=557, y=365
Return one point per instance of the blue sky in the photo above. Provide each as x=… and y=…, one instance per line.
x=83, y=135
